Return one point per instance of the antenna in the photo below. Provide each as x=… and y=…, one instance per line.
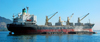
x=27, y=9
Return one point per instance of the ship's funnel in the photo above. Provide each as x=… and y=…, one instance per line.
x=24, y=11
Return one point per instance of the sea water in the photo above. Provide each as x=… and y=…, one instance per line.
x=6, y=37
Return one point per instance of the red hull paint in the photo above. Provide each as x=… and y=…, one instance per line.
x=57, y=30
x=48, y=30
x=90, y=30
x=29, y=20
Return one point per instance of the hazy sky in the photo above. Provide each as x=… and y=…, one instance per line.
x=43, y=8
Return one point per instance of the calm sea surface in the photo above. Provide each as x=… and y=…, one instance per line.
x=5, y=37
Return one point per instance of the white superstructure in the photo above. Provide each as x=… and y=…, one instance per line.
x=24, y=18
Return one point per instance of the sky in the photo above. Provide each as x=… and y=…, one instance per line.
x=43, y=8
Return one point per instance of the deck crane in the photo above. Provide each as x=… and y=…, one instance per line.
x=82, y=18
x=60, y=21
x=47, y=19
x=68, y=19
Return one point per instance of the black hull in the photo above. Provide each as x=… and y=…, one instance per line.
x=22, y=29
x=34, y=29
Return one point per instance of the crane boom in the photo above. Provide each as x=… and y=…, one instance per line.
x=68, y=19
x=47, y=19
x=71, y=16
x=52, y=15
x=84, y=16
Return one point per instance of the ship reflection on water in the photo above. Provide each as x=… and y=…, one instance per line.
x=50, y=38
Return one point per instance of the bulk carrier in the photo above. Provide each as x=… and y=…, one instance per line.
x=25, y=23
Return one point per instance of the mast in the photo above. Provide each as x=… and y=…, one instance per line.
x=27, y=9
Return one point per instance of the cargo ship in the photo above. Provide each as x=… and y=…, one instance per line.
x=25, y=23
